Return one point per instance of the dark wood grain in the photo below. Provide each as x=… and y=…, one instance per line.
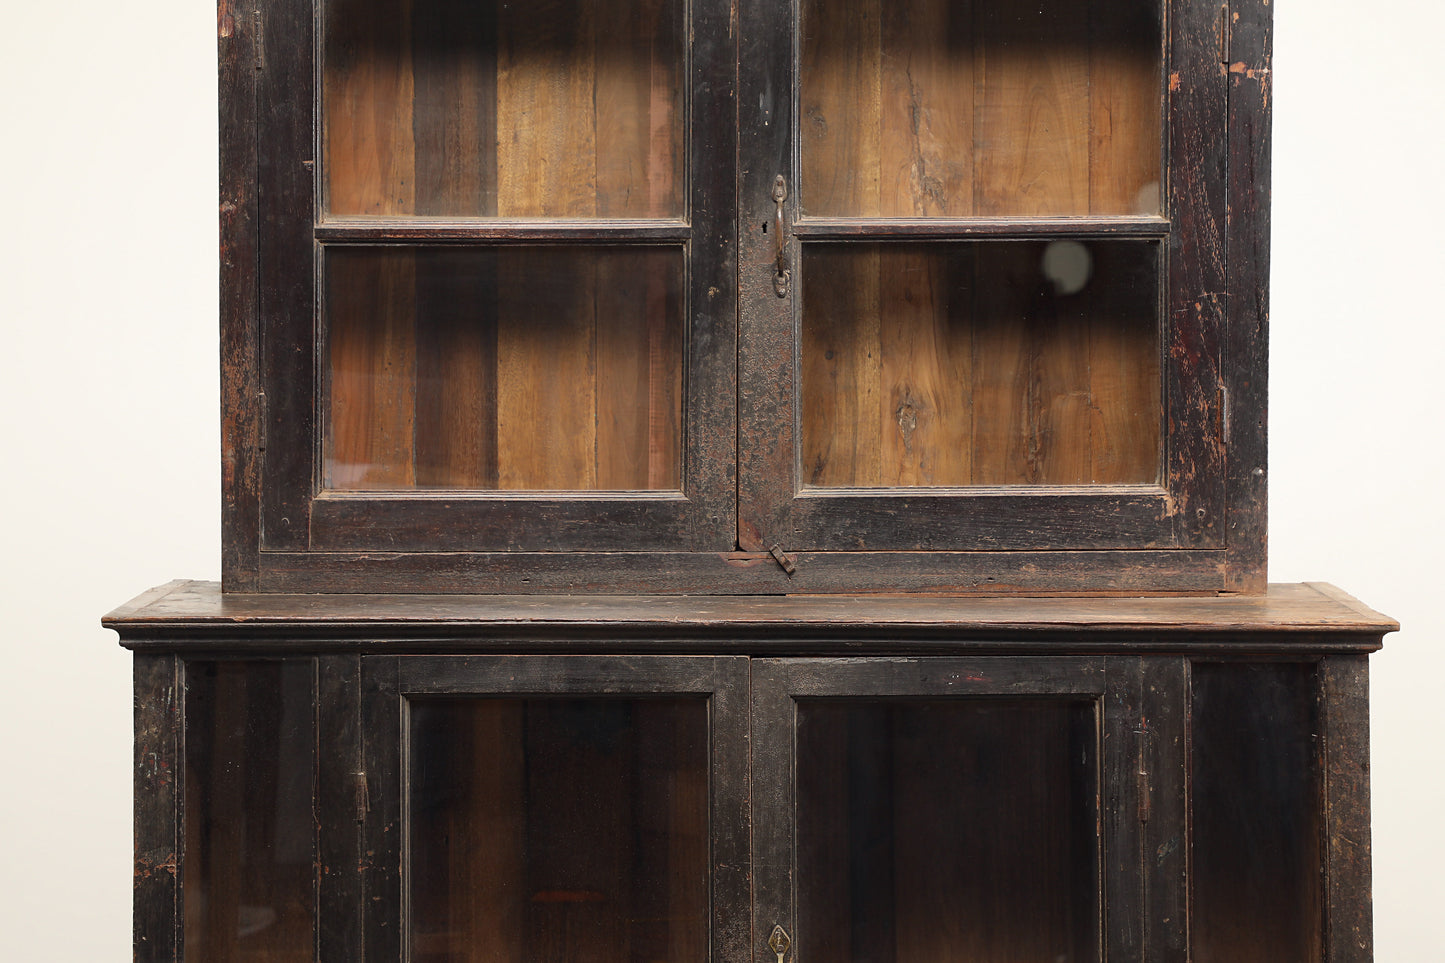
x=340, y=908
x=158, y=814
x=383, y=714
x=1349, y=915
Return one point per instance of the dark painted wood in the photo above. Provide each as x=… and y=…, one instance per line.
x=340, y=908
x=240, y=336
x=286, y=263
x=158, y=809
x=1164, y=844
x=1121, y=727
x=1251, y=43
x=1197, y=290
x=383, y=728
x=427, y=230
x=1344, y=701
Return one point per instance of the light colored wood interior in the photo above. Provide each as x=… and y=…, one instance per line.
x=550, y=108
x=967, y=364
x=958, y=108
x=546, y=368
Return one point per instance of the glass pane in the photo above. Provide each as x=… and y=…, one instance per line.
x=988, y=363
x=961, y=830
x=559, y=830
x=249, y=884
x=481, y=108
x=941, y=108
x=1256, y=854
x=504, y=368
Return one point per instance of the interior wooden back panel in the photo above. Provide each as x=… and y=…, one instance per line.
x=963, y=364
x=551, y=108
x=920, y=108
x=504, y=368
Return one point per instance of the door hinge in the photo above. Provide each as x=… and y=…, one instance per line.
x=1142, y=769
x=784, y=560
x=363, y=797
x=1224, y=33
x=260, y=40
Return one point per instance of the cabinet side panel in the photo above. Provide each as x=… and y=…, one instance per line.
x=157, y=809
x=1345, y=697
x=240, y=312
x=1247, y=350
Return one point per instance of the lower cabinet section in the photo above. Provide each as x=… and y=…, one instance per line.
x=1079, y=802
x=552, y=809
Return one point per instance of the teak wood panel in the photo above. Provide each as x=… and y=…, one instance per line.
x=552, y=108
x=515, y=368
x=941, y=108
x=980, y=364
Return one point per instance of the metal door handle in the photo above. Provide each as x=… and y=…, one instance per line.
x=784, y=275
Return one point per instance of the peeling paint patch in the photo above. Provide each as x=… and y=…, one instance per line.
x=225, y=19
x=1174, y=82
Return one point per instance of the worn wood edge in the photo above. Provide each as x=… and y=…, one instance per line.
x=1246, y=347
x=239, y=296
x=1360, y=608
x=1349, y=913
x=133, y=609
x=157, y=785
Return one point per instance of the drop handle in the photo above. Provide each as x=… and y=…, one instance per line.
x=779, y=942
x=784, y=275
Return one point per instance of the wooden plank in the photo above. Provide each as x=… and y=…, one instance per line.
x=926, y=154
x=925, y=309
x=1125, y=108
x=546, y=121
x=840, y=103
x=639, y=108
x=841, y=359
x=371, y=341
x=456, y=365
x=1344, y=693
x=1164, y=842
x=367, y=103
x=1030, y=364
x=157, y=934
x=1031, y=129
x=454, y=117
x=639, y=370
x=340, y=913
x=1124, y=365
x=386, y=786
x=546, y=395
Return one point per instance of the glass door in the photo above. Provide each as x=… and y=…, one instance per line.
x=502, y=335
x=945, y=809
x=985, y=321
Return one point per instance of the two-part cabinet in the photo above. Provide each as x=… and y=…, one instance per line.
x=814, y=781
x=759, y=297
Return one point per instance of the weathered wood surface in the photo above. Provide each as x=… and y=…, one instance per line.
x=1309, y=616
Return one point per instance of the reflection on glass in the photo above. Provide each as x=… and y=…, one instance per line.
x=984, y=363
x=558, y=830
x=504, y=368
x=932, y=108
x=958, y=830
x=484, y=108
x=1256, y=856
x=249, y=825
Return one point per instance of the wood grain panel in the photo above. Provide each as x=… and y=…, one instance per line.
x=546, y=398
x=1125, y=391
x=840, y=107
x=1125, y=109
x=546, y=117
x=927, y=89
x=841, y=366
x=926, y=349
x=454, y=121
x=367, y=101
x=639, y=108
x=456, y=348
x=1031, y=127
x=371, y=344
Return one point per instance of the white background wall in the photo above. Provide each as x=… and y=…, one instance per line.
x=108, y=407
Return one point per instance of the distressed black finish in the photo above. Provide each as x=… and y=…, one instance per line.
x=158, y=814
x=1200, y=531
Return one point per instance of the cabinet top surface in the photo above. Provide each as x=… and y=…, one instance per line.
x=199, y=610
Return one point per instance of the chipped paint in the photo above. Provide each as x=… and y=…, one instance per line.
x=225, y=19
x=1174, y=82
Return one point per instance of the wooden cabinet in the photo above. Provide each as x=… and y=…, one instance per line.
x=523, y=779
x=668, y=297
